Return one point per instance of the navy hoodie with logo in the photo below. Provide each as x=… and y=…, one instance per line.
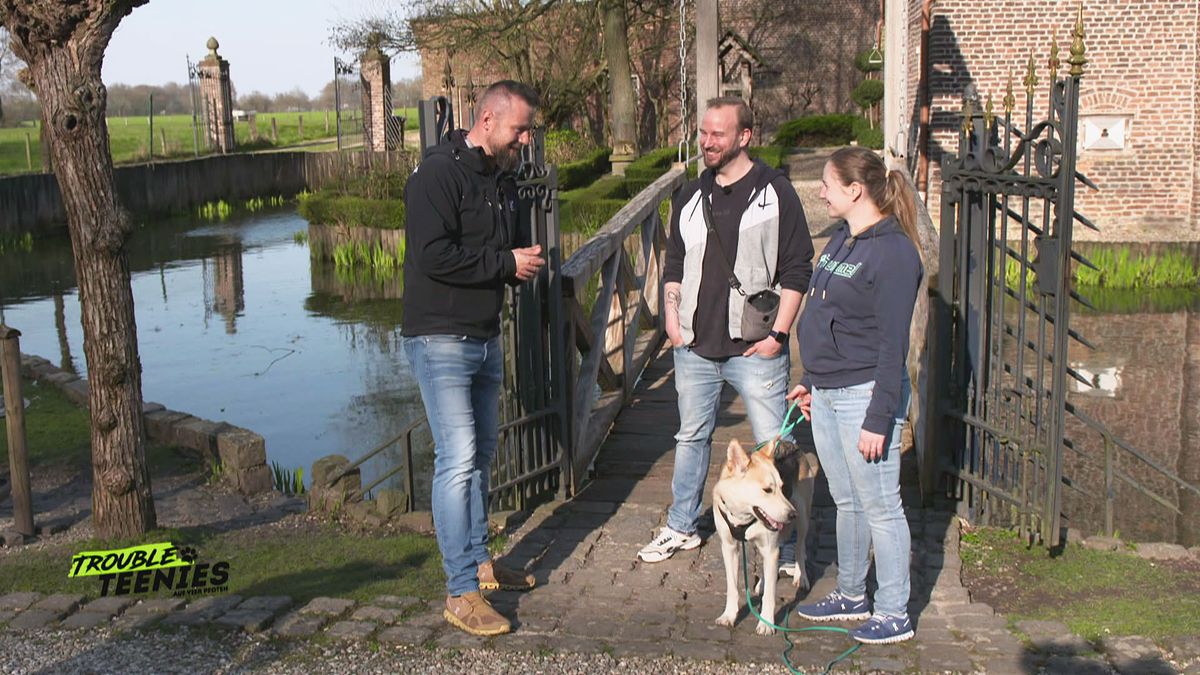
x=854, y=327
x=460, y=229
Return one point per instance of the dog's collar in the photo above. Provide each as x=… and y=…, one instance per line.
x=738, y=531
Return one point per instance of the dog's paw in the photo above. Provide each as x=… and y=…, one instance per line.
x=764, y=629
x=726, y=619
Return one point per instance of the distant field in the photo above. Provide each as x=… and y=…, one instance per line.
x=129, y=137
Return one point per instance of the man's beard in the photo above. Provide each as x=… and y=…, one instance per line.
x=723, y=159
x=506, y=157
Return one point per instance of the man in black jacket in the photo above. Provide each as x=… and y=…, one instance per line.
x=461, y=241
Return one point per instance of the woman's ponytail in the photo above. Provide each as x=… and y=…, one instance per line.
x=900, y=200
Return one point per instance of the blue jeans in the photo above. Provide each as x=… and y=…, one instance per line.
x=867, y=495
x=762, y=384
x=460, y=380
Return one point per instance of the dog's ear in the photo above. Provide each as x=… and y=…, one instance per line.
x=736, y=456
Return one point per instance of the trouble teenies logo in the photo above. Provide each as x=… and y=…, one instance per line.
x=150, y=568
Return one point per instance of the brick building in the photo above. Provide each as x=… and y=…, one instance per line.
x=1139, y=100
x=801, y=53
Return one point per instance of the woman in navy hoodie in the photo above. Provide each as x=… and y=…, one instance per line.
x=853, y=341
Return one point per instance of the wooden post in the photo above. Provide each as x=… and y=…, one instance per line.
x=274, y=131
x=708, y=63
x=150, y=148
x=326, y=122
x=300, y=126
x=162, y=136
x=28, y=153
x=14, y=416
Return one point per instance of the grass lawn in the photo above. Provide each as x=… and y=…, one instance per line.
x=56, y=430
x=1096, y=593
x=129, y=137
x=306, y=561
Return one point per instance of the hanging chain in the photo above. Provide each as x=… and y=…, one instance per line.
x=684, y=150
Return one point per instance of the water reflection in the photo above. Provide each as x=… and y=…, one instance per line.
x=235, y=324
x=1146, y=368
x=224, y=291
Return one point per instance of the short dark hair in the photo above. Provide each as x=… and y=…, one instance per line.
x=507, y=89
x=745, y=116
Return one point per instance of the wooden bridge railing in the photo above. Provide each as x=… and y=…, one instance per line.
x=612, y=306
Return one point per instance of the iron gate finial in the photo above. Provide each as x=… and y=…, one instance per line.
x=1009, y=99
x=988, y=115
x=1031, y=79
x=1078, y=49
x=1054, y=62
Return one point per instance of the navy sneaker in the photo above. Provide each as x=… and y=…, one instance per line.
x=881, y=629
x=835, y=607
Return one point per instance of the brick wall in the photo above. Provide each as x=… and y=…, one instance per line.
x=1142, y=62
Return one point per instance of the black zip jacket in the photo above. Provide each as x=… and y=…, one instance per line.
x=854, y=327
x=460, y=226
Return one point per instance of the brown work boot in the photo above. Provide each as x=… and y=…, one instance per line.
x=472, y=613
x=494, y=576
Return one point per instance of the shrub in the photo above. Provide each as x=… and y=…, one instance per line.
x=325, y=208
x=862, y=62
x=771, y=155
x=867, y=93
x=866, y=136
x=816, y=131
x=564, y=146
x=573, y=175
x=588, y=216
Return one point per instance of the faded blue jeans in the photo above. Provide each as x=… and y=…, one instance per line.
x=762, y=384
x=867, y=495
x=460, y=380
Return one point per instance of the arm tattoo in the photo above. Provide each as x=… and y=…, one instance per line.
x=673, y=299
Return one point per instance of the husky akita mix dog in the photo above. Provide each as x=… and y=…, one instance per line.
x=759, y=498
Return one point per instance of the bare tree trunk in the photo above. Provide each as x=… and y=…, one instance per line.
x=63, y=43
x=620, y=84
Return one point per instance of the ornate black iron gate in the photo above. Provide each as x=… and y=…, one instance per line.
x=347, y=104
x=1007, y=218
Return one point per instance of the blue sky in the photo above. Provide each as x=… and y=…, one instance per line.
x=271, y=45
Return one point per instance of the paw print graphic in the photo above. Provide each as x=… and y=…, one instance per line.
x=187, y=554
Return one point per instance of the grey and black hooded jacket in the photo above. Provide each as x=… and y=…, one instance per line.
x=763, y=232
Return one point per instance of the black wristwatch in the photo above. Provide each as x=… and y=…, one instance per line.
x=780, y=336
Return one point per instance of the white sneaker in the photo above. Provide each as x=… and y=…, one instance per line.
x=787, y=560
x=666, y=544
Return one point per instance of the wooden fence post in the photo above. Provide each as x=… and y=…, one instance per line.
x=14, y=416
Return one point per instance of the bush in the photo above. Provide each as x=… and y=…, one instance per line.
x=816, y=131
x=564, y=146
x=866, y=136
x=588, y=216
x=326, y=208
x=578, y=174
x=861, y=62
x=771, y=155
x=867, y=93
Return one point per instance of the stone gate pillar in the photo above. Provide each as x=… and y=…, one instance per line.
x=375, y=71
x=217, y=100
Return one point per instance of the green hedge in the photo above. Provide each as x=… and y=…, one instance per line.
x=584, y=172
x=771, y=155
x=589, y=215
x=866, y=136
x=816, y=131
x=325, y=208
